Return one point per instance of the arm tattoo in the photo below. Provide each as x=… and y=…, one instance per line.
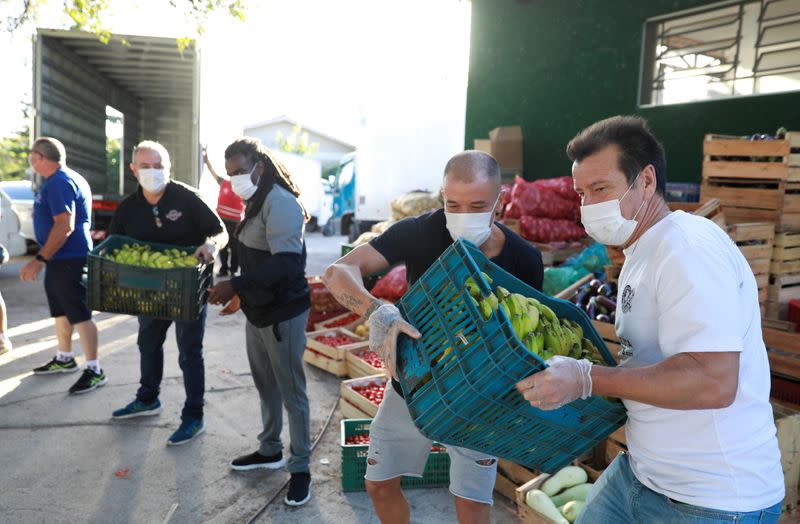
x=372, y=307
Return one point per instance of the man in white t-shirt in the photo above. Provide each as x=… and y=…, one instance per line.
x=693, y=374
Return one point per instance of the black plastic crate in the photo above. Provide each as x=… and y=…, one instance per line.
x=172, y=294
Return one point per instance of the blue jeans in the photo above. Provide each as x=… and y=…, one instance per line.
x=189, y=335
x=619, y=498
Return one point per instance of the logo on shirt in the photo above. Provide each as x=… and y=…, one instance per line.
x=174, y=215
x=626, y=348
x=627, y=298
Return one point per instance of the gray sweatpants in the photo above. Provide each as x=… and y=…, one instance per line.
x=277, y=368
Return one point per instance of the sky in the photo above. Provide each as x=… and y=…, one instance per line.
x=326, y=63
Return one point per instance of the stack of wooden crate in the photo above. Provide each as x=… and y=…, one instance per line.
x=756, y=240
x=759, y=181
x=785, y=274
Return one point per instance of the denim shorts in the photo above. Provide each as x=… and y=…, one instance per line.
x=619, y=498
x=397, y=448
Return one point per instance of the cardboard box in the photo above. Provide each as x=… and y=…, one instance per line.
x=505, y=145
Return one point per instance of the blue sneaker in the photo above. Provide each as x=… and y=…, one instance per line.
x=187, y=431
x=137, y=408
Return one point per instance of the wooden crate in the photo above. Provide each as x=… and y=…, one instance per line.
x=510, y=476
x=756, y=181
x=728, y=156
x=756, y=240
x=335, y=367
x=783, y=351
x=609, y=334
x=350, y=410
x=357, y=400
x=711, y=209
x=786, y=254
x=326, y=324
x=357, y=367
x=782, y=289
x=528, y=515
x=335, y=353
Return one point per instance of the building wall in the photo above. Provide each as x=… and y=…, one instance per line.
x=556, y=67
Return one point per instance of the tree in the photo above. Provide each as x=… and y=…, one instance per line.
x=297, y=142
x=14, y=151
x=87, y=15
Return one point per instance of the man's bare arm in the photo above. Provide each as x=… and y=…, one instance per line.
x=344, y=279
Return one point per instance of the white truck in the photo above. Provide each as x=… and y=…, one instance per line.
x=396, y=154
x=156, y=87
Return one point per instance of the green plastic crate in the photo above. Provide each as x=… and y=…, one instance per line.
x=354, y=462
x=173, y=294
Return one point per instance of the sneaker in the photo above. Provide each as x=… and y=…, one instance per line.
x=299, y=489
x=57, y=366
x=188, y=430
x=90, y=379
x=257, y=461
x=137, y=408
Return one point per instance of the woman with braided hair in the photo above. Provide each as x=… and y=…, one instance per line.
x=273, y=293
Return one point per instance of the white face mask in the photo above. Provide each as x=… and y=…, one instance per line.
x=475, y=227
x=153, y=180
x=604, y=221
x=243, y=184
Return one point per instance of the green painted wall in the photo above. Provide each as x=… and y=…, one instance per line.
x=557, y=66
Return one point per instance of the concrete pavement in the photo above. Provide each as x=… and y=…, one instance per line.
x=62, y=459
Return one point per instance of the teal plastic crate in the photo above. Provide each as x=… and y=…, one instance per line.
x=173, y=294
x=470, y=399
x=354, y=462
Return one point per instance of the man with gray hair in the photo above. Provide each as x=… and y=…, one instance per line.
x=168, y=212
x=61, y=218
x=471, y=191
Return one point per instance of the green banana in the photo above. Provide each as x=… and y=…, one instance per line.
x=472, y=288
x=501, y=292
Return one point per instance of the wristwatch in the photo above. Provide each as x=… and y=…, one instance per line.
x=41, y=259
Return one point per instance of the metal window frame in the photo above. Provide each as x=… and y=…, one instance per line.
x=646, y=92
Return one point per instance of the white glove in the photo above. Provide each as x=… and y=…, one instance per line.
x=384, y=325
x=565, y=380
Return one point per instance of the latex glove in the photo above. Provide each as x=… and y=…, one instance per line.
x=207, y=252
x=565, y=380
x=385, y=323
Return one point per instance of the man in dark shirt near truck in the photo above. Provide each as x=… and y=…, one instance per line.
x=168, y=212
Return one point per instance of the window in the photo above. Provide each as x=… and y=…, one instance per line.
x=724, y=50
x=346, y=174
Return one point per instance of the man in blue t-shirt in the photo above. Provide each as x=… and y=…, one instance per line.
x=61, y=216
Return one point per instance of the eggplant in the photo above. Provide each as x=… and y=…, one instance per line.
x=590, y=308
x=603, y=318
x=595, y=284
x=613, y=317
x=582, y=297
x=606, y=303
x=609, y=289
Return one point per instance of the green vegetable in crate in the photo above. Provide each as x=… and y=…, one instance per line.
x=536, y=325
x=572, y=509
x=142, y=255
x=564, y=478
x=540, y=502
x=579, y=492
